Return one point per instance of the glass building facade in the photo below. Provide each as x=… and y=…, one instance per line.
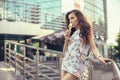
x=26, y=10
x=50, y=9
x=95, y=9
x=51, y=13
x=22, y=9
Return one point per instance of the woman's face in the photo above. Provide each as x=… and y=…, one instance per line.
x=73, y=19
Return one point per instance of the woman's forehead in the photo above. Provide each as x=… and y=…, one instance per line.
x=71, y=15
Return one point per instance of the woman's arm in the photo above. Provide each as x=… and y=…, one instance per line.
x=95, y=50
x=93, y=45
x=65, y=45
x=66, y=36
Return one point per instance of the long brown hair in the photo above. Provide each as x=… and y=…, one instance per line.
x=85, y=27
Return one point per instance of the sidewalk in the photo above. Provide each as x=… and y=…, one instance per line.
x=4, y=72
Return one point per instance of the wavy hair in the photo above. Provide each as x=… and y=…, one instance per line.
x=85, y=27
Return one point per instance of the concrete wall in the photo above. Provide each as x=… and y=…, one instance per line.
x=22, y=28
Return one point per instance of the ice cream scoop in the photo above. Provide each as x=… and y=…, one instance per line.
x=70, y=26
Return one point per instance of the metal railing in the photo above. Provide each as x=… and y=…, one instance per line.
x=116, y=71
x=31, y=69
x=22, y=63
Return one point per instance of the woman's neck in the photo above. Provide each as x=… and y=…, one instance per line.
x=78, y=27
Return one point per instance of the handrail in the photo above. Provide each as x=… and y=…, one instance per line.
x=48, y=68
x=12, y=53
x=116, y=71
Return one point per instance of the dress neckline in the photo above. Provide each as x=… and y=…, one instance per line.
x=77, y=30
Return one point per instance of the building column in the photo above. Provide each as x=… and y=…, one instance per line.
x=42, y=53
x=105, y=50
x=2, y=49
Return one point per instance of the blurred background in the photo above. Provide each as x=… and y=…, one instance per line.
x=41, y=24
x=38, y=19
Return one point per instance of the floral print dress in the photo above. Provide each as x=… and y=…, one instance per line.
x=75, y=61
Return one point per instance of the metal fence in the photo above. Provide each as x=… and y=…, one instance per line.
x=47, y=67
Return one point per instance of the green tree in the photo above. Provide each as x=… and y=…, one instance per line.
x=36, y=44
x=117, y=47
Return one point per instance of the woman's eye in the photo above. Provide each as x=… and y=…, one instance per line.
x=72, y=17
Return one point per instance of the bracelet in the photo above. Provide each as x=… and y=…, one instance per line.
x=98, y=56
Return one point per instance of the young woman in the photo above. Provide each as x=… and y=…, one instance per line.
x=78, y=39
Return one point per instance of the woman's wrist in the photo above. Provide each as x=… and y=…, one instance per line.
x=99, y=56
x=66, y=40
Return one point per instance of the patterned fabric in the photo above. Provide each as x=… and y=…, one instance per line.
x=75, y=61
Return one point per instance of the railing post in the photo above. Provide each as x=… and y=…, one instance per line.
x=9, y=53
x=37, y=64
x=91, y=71
x=15, y=59
x=24, y=63
x=4, y=10
x=60, y=62
x=116, y=71
x=5, y=52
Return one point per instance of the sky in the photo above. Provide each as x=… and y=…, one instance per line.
x=113, y=14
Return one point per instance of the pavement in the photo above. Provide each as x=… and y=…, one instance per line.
x=100, y=75
x=5, y=72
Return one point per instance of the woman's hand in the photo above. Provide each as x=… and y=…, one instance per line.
x=66, y=36
x=105, y=60
x=67, y=33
